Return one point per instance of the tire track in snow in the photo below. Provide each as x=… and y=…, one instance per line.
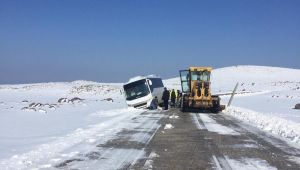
x=205, y=123
x=124, y=149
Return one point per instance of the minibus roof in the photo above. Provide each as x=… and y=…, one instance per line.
x=137, y=78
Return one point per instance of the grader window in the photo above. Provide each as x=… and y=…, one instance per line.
x=200, y=76
x=185, y=80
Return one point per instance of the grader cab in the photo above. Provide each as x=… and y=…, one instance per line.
x=196, y=88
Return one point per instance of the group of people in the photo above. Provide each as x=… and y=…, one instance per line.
x=175, y=97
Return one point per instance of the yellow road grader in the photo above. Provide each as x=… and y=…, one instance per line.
x=196, y=88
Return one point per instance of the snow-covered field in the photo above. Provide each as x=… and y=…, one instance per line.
x=57, y=115
x=265, y=98
x=41, y=122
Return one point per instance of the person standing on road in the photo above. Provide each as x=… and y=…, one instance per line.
x=173, y=98
x=165, y=98
x=178, y=98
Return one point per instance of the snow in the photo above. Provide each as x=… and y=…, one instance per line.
x=149, y=161
x=23, y=127
x=174, y=116
x=50, y=124
x=113, y=159
x=295, y=159
x=212, y=126
x=265, y=97
x=249, y=145
x=57, y=147
x=196, y=122
x=216, y=162
x=168, y=126
x=279, y=126
x=249, y=164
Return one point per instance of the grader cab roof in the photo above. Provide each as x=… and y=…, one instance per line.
x=200, y=69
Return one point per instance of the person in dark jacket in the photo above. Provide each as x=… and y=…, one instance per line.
x=173, y=98
x=165, y=98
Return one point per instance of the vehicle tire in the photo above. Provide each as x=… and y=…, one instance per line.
x=215, y=109
x=182, y=108
x=216, y=106
x=183, y=104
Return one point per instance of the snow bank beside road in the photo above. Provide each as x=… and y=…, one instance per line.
x=276, y=125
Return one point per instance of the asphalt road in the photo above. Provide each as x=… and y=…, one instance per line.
x=174, y=140
x=214, y=141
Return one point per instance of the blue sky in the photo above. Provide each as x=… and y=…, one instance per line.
x=113, y=40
